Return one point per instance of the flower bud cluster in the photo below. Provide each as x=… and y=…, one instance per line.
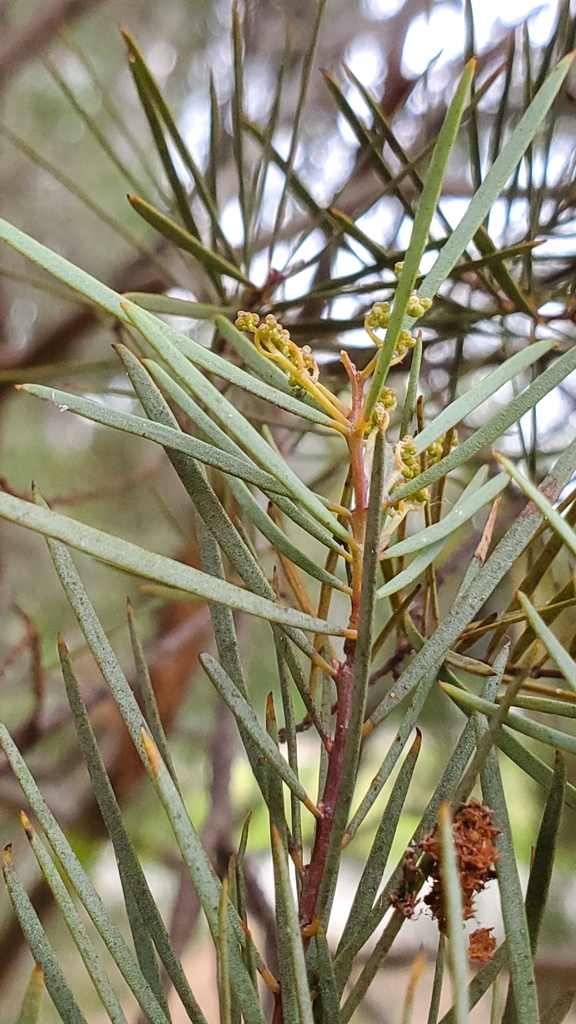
x=269, y=334
x=406, y=458
x=379, y=318
x=435, y=451
x=405, y=342
x=408, y=466
x=380, y=418
x=247, y=321
x=379, y=315
x=417, y=306
x=273, y=341
x=388, y=399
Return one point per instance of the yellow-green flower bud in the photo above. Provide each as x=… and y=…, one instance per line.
x=434, y=451
x=273, y=332
x=378, y=418
x=381, y=415
x=421, y=497
x=379, y=315
x=388, y=399
x=398, y=268
x=247, y=321
x=407, y=461
x=417, y=306
x=405, y=341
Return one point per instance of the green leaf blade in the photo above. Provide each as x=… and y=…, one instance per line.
x=163, y=435
x=501, y=170
x=56, y=984
x=420, y=233
x=141, y=562
x=169, y=229
x=555, y=649
x=243, y=712
x=76, y=928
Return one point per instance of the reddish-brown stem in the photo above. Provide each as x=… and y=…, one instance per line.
x=315, y=870
x=344, y=678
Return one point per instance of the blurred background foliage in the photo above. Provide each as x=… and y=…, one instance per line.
x=408, y=55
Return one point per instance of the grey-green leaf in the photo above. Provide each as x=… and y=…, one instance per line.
x=555, y=649
x=504, y=165
x=177, y=440
x=245, y=715
x=124, y=555
x=42, y=951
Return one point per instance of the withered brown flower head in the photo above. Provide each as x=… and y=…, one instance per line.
x=481, y=945
x=476, y=854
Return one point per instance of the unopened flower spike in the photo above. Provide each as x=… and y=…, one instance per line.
x=435, y=451
x=408, y=467
x=247, y=321
x=274, y=342
x=380, y=418
x=379, y=315
x=406, y=460
x=379, y=318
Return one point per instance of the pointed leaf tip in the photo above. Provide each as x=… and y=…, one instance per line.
x=129, y=42
x=26, y=825
x=151, y=751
